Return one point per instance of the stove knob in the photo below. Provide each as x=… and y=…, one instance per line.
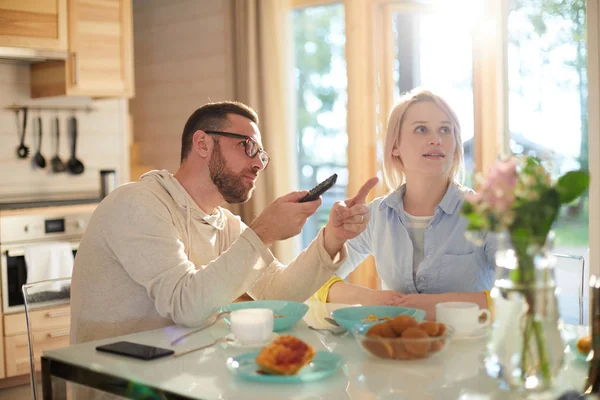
x=79, y=224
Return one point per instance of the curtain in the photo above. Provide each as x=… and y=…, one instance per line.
x=262, y=60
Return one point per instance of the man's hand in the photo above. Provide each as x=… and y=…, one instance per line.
x=284, y=217
x=347, y=219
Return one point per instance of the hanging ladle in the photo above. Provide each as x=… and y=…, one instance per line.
x=57, y=164
x=22, y=150
x=74, y=165
x=38, y=158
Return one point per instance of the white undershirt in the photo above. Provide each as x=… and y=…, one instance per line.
x=416, y=231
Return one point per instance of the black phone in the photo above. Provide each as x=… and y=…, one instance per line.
x=318, y=190
x=135, y=350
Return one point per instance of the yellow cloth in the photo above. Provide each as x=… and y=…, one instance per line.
x=322, y=294
x=488, y=298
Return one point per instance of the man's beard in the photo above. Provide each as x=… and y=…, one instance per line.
x=231, y=186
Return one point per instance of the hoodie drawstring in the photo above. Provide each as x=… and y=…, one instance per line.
x=188, y=250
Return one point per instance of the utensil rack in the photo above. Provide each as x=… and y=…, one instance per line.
x=18, y=107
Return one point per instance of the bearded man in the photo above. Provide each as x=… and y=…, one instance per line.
x=162, y=250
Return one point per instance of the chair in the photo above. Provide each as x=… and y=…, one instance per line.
x=569, y=274
x=47, y=320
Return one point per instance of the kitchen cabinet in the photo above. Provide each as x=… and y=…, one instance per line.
x=34, y=24
x=100, y=61
x=50, y=330
x=2, y=373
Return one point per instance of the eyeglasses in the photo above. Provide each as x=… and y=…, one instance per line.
x=250, y=146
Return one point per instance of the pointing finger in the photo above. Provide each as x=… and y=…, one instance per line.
x=361, y=196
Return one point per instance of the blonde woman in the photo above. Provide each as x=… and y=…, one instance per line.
x=416, y=232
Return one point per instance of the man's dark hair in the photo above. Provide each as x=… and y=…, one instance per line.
x=212, y=117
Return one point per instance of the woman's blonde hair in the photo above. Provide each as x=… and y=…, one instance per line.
x=393, y=169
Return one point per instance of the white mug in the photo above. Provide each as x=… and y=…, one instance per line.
x=252, y=325
x=462, y=316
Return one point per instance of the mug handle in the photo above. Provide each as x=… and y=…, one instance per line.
x=488, y=319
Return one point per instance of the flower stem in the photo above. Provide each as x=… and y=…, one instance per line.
x=541, y=347
x=525, y=349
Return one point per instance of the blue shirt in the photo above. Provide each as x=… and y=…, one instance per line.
x=451, y=264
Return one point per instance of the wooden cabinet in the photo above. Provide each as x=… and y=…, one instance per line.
x=50, y=331
x=34, y=24
x=2, y=373
x=100, y=62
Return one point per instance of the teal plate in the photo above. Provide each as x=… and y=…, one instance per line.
x=579, y=356
x=349, y=317
x=287, y=313
x=323, y=365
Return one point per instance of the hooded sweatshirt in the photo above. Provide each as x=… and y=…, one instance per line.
x=151, y=257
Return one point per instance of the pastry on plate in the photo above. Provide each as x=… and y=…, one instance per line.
x=286, y=355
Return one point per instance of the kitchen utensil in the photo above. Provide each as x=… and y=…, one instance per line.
x=219, y=340
x=108, y=182
x=74, y=165
x=334, y=332
x=22, y=150
x=210, y=321
x=38, y=158
x=56, y=163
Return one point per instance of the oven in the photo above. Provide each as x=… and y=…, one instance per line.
x=21, y=229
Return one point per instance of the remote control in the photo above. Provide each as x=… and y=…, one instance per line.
x=319, y=189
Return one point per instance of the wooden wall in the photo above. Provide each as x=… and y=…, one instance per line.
x=102, y=142
x=183, y=59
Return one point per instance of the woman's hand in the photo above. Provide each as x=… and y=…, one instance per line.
x=425, y=302
x=382, y=297
x=346, y=293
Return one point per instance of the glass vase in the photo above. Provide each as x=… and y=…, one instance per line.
x=525, y=347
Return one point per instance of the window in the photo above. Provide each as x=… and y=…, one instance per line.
x=547, y=103
x=515, y=71
x=434, y=50
x=321, y=105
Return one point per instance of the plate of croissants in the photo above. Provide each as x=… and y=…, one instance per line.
x=286, y=359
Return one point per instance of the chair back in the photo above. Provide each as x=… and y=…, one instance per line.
x=569, y=274
x=48, y=315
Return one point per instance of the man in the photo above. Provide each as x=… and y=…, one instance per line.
x=163, y=250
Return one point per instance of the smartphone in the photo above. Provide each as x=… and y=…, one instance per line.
x=135, y=350
x=318, y=190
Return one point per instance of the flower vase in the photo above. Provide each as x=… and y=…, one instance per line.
x=525, y=347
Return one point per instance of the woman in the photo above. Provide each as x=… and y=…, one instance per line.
x=416, y=232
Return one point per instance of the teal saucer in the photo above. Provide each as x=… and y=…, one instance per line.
x=579, y=356
x=323, y=365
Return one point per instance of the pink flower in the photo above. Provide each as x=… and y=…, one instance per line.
x=498, y=190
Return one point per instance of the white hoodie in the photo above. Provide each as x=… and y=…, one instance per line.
x=151, y=257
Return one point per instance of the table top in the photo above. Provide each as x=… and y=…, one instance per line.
x=457, y=373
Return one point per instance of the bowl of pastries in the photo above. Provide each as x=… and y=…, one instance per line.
x=403, y=338
x=349, y=317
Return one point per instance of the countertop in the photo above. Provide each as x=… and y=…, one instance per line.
x=47, y=203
